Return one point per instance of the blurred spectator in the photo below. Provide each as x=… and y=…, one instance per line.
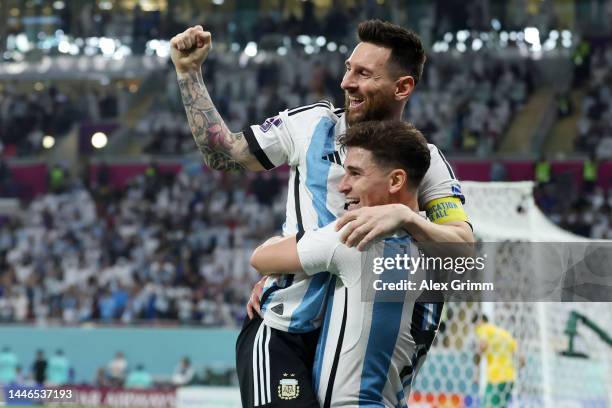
x=117, y=368
x=542, y=170
x=20, y=377
x=39, y=368
x=58, y=370
x=101, y=380
x=58, y=178
x=8, y=366
x=590, y=169
x=498, y=171
x=184, y=372
x=139, y=378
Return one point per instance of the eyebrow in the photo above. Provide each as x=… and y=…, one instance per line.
x=354, y=169
x=363, y=67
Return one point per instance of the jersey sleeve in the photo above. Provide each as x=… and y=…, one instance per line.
x=316, y=249
x=439, y=181
x=272, y=142
x=321, y=250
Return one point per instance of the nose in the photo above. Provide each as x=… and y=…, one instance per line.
x=348, y=82
x=344, y=187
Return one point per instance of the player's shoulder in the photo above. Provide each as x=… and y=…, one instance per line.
x=320, y=109
x=434, y=150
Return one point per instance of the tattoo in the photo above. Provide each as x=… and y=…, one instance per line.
x=211, y=135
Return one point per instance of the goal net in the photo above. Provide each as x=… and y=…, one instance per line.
x=548, y=369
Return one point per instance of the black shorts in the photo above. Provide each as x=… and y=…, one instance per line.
x=275, y=367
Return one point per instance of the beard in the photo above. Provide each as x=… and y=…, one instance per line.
x=375, y=107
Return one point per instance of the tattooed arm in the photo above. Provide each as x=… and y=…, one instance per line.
x=221, y=149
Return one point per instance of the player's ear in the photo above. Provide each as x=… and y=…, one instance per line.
x=397, y=180
x=404, y=87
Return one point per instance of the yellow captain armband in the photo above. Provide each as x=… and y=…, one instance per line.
x=445, y=209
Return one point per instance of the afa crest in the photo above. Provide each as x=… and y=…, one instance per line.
x=288, y=388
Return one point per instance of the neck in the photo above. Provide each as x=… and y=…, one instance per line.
x=397, y=112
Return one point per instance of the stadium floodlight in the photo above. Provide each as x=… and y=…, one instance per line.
x=218, y=2
x=566, y=34
x=343, y=49
x=496, y=24
x=532, y=35
x=553, y=35
x=92, y=41
x=63, y=47
x=550, y=45
x=477, y=44
x=251, y=49
x=105, y=5
x=282, y=51
x=48, y=141
x=513, y=36
x=503, y=36
x=99, y=140
x=107, y=46
x=461, y=47
x=163, y=51
x=448, y=37
x=332, y=46
x=321, y=41
x=462, y=35
x=566, y=43
x=303, y=39
x=309, y=49
x=59, y=5
x=22, y=43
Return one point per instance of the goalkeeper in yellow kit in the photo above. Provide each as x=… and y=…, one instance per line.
x=499, y=348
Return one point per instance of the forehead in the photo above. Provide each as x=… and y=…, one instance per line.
x=358, y=157
x=369, y=55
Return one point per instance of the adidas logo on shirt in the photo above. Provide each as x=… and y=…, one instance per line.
x=333, y=157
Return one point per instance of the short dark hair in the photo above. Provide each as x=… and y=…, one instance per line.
x=393, y=144
x=407, y=50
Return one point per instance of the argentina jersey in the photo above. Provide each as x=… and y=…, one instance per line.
x=371, y=346
x=305, y=138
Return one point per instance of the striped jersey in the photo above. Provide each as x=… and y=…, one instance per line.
x=371, y=345
x=306, y=138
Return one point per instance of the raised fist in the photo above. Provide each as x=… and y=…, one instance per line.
x=189, y=49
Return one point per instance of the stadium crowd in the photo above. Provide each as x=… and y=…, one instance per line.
x=459, y=107
x=26, y=116
x=163, y=248
x=119, y=372
x=595, y=124
x=586, y=212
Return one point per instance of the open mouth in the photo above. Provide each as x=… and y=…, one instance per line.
x=355, y=102
x=351, y=204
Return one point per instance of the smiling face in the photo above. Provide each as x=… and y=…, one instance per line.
x=369, y=88
x=364, y=184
